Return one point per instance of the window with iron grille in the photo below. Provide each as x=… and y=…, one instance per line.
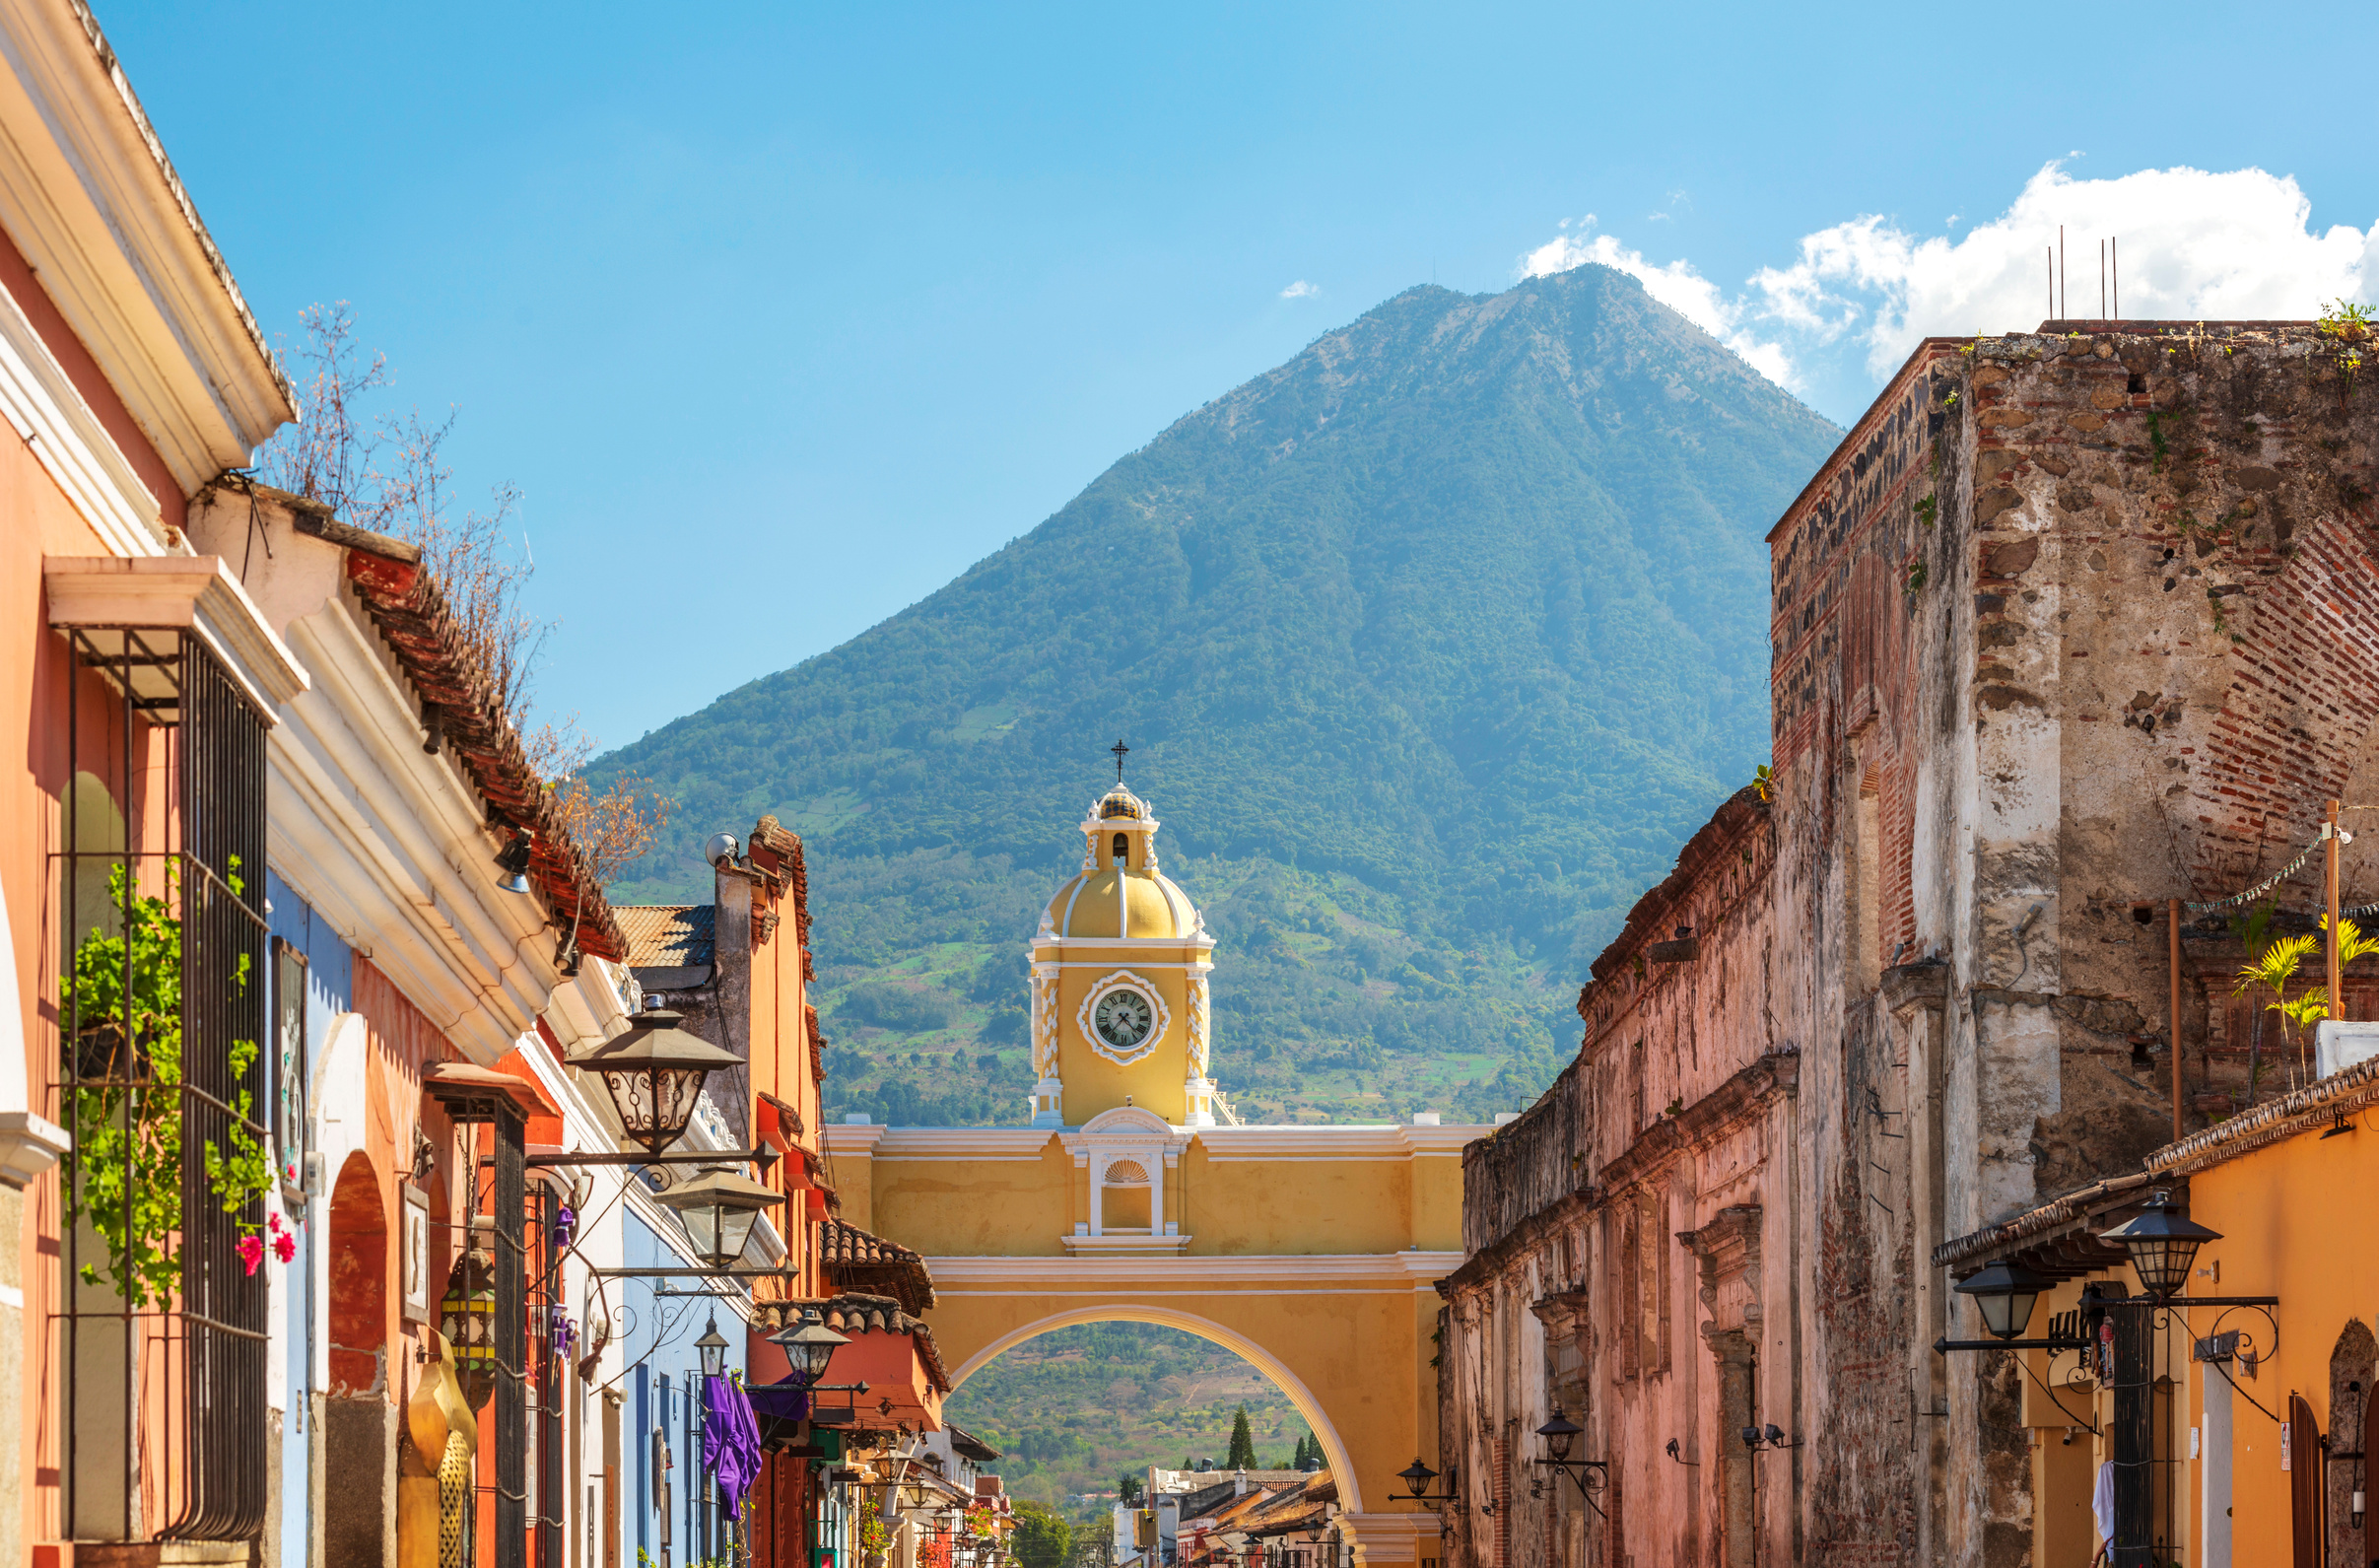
x=162, y=1081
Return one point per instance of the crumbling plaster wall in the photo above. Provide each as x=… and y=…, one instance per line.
x=2071, y=623
x=2154, y=611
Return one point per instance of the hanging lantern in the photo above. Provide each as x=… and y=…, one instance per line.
x=2162, y=1242
x=654, y=1074
x=713, y=1347
x=719, y=1209
x=467, y=1318
x=2004, y=1290
x=808, y=1348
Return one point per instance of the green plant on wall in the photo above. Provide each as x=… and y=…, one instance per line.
x=125, y=1168
x=2348, y=326
x=2273, y=967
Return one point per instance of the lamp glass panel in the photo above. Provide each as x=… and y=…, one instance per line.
x=2006, y=1313
x=810, y=1360
x=734, y=1233
x=702, y=1229
x=2163, y=1264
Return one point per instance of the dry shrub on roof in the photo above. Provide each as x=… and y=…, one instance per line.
x=387, y=473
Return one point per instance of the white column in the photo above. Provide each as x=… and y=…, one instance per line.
x=2213, y=1468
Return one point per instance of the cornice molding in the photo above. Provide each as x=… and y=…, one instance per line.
x=1744, y=1094
x=69, y=440
x=386, y=844
x=1404, y=1272
x=95, y=206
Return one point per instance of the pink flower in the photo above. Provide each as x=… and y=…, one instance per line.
x=285, y=1247
x=272, y=1222
x=251, y=1253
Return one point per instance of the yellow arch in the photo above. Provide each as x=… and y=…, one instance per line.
x=1341, y=1465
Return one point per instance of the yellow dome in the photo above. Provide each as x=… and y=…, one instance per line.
x=1146, y=906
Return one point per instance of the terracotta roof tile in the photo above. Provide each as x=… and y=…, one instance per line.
x=667, y=935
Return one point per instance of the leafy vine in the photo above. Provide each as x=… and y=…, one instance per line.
x=125, y=1165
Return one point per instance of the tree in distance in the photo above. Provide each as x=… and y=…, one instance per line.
x=1044, y=1538
x=1243, y=1443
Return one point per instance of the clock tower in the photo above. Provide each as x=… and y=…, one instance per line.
x=1119, y=981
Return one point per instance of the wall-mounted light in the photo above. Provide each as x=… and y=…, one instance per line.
x=719, y=1209
x=1561, y=1435
x=654, y=1075
x=2162, y=1242
x=513, y=862
x=809, y=1346
x=713, y=1347
x=2003, y=1291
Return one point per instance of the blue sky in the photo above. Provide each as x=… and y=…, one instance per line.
x=782, y=316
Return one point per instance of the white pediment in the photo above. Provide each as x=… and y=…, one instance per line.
x=1127, y=1118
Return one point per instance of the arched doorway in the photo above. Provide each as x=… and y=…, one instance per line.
x=358, y=1417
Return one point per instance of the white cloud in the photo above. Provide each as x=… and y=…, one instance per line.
x=2192, y=246
x=1677, y=286
x=1301, y=290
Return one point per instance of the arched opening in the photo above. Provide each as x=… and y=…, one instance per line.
x=2353, y=1363
x=1300, y=1397
x=359, y=1419
x=1124, y=1207
x=1121, y=851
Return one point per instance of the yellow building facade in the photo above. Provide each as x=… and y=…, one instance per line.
x=1313, y=1251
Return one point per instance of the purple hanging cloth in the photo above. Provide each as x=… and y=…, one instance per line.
x=730, y=1441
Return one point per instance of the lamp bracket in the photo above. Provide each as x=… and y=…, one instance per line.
x=1576, y=1471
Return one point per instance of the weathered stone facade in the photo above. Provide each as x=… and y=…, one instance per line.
x=2074, y=623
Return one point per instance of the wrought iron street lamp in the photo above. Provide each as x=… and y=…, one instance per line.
x=719, y=1209
x=2003, y=1291
x=713, y=1347
x=1416, y=1478
x=2162, y=1242
x=1561, y=1435
x=809, y=1346
x=654, y=1074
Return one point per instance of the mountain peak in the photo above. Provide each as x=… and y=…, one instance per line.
x=1432, y=644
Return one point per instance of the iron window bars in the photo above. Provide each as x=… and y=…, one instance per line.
x=166, y=1372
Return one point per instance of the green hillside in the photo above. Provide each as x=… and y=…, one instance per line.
x=1432, y=645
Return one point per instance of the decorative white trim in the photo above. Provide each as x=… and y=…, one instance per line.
x=1260, y=1273
x=29, y=1145
x=862, y=1140
x=1338, y=1143
x=1136, y=1244
x=195, y=593
x=1044, y=1022
x=40, y=400
x=899, y=1143
x=1124, y=980
x=1198, y=1055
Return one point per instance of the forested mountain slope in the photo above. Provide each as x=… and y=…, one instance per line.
x=1431, y=646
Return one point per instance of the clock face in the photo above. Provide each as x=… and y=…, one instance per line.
x=1124, y=1018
